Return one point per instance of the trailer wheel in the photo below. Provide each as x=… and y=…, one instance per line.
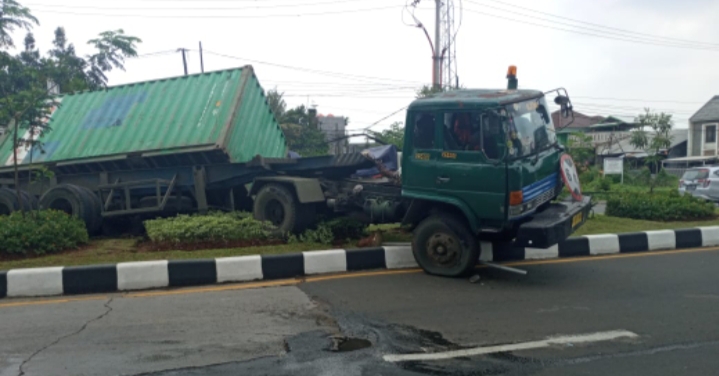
x=8, y=201
x=443, y=245
x=96, y=210
x=29, y=200
x=75, y=201
x=276, y=204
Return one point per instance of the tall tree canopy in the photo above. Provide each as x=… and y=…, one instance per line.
x=29, y=79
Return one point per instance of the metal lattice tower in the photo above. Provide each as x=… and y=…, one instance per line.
x=448, y=50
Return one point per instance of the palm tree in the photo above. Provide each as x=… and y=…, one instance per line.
x=13, y=16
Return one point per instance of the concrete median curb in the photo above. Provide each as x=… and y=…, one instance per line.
x=144, y=275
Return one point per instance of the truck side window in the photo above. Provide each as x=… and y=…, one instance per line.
x=473, y=132
x=424, y=131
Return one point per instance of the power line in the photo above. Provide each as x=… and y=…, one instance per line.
x=637, y=100
x=206, y=8
x=316, y=71
x=514, y=7
x=346, y=11
x=385, y=118
x=158, y=53
x=625, y=39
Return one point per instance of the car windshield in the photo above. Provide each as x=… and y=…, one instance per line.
x=695, y=174
x=530, y=128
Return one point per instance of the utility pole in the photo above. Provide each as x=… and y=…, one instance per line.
x=184, y=59
x=202, y=64
x=437, y=71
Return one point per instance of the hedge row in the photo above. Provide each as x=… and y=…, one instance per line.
x=213, y=227
x=40, y=232
x=657, y=206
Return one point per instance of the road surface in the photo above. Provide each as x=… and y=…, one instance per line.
x=652, y=313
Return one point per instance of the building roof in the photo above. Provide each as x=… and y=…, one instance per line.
x=624, y=146
x=708, y=112
x=581, y=121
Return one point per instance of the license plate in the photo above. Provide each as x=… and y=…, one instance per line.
x=577, y=219
x=691, y=187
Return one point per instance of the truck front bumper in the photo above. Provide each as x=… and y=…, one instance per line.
x=554, y=224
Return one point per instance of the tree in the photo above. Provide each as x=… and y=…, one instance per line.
x=26, y=107
x=276, y=102
x=28, y=80
x=580, y=149
x=392, y=136
x=14, y=16
x=428, y=91
x=654, y=143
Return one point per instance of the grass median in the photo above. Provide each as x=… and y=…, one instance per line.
x=111, y=251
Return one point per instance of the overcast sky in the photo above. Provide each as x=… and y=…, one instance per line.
x=373, y=62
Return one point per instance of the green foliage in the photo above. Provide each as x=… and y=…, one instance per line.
x=322, y=234
x=338, y=229
x=47, y=232
x=213, y=227
x=276, y=102
x=346, y=228
x=655, y=143
x=305, y=140
x=670, y=206
x=392, y=136
x=428, y=91
x=581, y=150
x=14, y=16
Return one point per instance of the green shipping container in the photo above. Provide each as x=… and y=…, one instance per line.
x=221, y=114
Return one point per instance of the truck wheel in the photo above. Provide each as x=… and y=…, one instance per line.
x=29, y=200
x=96, y=210
x=444, y=246
x=276, y=204
x=75, y=201
x=8, y=201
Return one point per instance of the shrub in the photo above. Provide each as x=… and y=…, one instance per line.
x=322, y=234
x=338, y=229
x=42, y=232
x=213, y=227
x=669, y=206
x=346, y=228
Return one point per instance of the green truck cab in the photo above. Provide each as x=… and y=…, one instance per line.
x=484, y=164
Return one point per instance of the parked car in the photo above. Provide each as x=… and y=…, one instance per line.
x=702, y=182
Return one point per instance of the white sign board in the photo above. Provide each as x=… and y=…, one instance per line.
x=613, y=166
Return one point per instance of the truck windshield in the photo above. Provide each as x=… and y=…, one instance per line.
x=530, y=128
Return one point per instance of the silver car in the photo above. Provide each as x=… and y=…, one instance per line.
x=702, y=182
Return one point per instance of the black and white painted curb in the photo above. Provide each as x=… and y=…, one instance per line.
x=162, y=274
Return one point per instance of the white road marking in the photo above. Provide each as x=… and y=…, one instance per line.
x=573, y=339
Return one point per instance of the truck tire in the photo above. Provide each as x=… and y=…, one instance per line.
x=76, y=201
x=8, y=201
x=96, y=210
x=276, y=204
x=443, y=245
x=30, y=199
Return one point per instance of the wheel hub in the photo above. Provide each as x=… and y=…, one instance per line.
x=443, y=249
x=274, y=212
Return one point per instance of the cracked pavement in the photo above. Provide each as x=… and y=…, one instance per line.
x=669, y=301
x=143, y=335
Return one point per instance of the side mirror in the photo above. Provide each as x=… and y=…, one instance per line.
x=565, y=105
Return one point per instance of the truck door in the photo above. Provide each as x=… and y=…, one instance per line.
x=470, y=167
x=419, y=163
